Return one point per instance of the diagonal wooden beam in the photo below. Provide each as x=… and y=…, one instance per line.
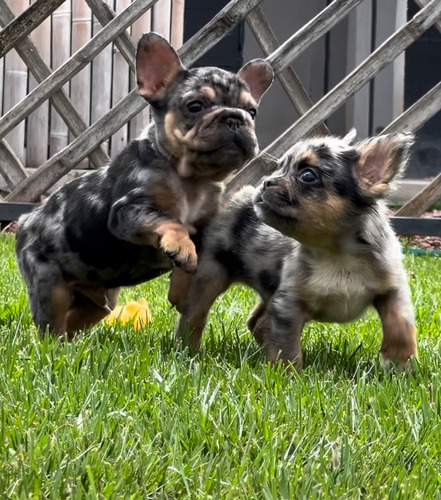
x=29, y=53
x=124, y=42
x=26, y=22
x=73, y=65
x=418, y=114
x=287, y=77
x=310, y=32
x=64, y=161
x=426, y=107
x=265, y=162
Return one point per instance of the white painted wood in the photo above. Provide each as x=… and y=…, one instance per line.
x=359, y=48
x=386, y=53
x=177, y=24
x=37, y=67
x=120, y=88
x=80, y=84
x=62, y=163
x=140, y=121
x=162, y=17
x=16, y=81
x=73, y=65
x=58, y=136
x=388, y=95
x=11, y=168
x=101, y=91
x=37, y=130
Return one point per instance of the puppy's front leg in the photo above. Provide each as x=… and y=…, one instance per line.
x=136, y=219
x=399, y=332
x=208, y=283
x=174, y=240
x=283, y=340
x=178, y=288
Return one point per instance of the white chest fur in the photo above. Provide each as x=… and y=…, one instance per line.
x=343, y=287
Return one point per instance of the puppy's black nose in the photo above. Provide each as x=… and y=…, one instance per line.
x=233, y=123
x=271, y=181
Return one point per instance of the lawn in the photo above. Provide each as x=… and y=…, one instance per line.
x=121, y=413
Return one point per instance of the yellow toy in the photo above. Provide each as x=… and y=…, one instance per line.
x=136, y=313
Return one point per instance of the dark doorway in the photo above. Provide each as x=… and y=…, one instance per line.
x=227, y=54
x=423, y=71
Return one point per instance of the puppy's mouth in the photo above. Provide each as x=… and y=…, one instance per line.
x=274, y=215
x=219, y=161
x=269, y=214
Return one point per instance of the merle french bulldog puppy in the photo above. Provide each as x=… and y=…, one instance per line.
x=316, y=243
x=128, y=223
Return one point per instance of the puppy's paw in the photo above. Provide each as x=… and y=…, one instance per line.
x=401, y=357
x=181, y=250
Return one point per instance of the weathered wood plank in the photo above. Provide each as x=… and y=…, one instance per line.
x=120, y=88
x=31, y=57
x=60, y=45
x=26, y=22
x=73, y=65
x=310, y=32
x=16, y=79
x=418, y=114
x=287, y=77
x=37, y=124
x=123, y=42
x=177, y=24
x=56, y=167
x=383, y=55
x=80, y=84
x=140, y=121
x=11, y=168
x=414, y=118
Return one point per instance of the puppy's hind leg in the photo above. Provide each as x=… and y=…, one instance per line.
x=399, y=332
x=89, y=307
x=178, y=288
x=283, y=340
x=258, y=323
x=50, y=303
x=205, y=287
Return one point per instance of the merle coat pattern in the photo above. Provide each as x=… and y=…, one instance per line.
x=130, y=222
x=314, y=240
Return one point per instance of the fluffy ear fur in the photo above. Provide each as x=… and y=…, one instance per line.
x=259, y=76
x=381, y=159
x=350, y=137
x=157, y=65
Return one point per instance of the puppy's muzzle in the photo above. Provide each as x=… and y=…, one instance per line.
x=234, y=123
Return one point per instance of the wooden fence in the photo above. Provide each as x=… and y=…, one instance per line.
x=87, y=141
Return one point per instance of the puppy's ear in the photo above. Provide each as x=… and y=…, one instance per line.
x=259, y=76
x=157, y=65
x=350, y=137
x=381, y=159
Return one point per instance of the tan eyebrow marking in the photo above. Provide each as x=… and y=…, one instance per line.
x=208, y=92
x=310, y=158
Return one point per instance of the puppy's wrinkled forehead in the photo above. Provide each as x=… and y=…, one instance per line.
x=329, y=153
x=218, y=86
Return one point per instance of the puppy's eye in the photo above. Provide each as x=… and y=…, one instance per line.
x=195, y=106
x=252, y=112
x=308, y=176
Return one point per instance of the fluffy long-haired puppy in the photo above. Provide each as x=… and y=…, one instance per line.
x=314, y=240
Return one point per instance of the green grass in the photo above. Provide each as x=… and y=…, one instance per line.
x=123, y=414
